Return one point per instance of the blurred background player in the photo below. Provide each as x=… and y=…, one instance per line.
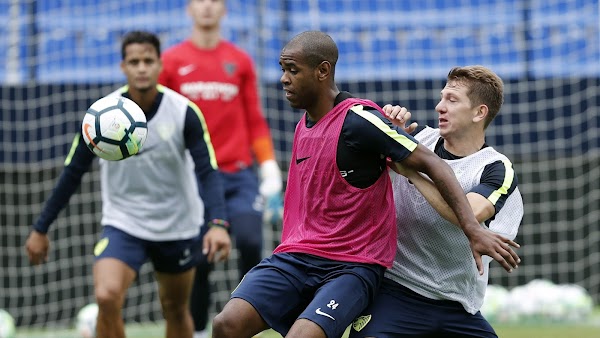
x=220, y=78
x=433, y=288
x=149, y=206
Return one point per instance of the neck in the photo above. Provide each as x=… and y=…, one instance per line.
x=144, y=99
x=323, y=104
x=206, y=38
x=465, y=145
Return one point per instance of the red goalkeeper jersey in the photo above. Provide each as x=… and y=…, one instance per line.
x=222, y=82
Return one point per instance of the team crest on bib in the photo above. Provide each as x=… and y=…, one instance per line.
x=166, y=130
x=361, y=322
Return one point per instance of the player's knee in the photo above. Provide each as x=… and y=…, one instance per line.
x=174, y=310
x=224, y=326
x=238, y=319
x=108, y=298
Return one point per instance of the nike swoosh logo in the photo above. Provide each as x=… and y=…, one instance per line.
x=319, y=312
x=300, y=160
x=184, y=261
x=185, y=70
x=86, y=130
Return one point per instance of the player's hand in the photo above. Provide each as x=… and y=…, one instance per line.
x=487, y=242
x=216, y=244
x=37, y=246
x=399, y=116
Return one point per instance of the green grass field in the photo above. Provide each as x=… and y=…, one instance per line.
x=506, y=331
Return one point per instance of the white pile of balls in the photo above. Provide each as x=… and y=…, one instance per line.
x=7, y=325
x=538, y=301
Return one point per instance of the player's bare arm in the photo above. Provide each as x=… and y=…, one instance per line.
x=482, y=207
x=483, y=242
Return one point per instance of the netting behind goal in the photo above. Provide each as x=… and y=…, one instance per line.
x=58, y=57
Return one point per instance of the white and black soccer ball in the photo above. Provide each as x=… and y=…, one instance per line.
x=114, y=128
x=85, y=323
x=7, y=325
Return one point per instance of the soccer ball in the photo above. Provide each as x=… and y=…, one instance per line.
x=86, y=321
x=7, y=325
x=114, y=128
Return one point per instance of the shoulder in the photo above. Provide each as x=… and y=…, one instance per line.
x=424, y=130
x=369, y=122
x=499, y=166
x=426, y=135
x=173, y=96
x=118, y=92
x=234, y=49
x=173, y=51
x=362, y=114
x=170, y=93
x=497, y=157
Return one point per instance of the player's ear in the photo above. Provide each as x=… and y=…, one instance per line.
x=323, y=70
x=481, y=113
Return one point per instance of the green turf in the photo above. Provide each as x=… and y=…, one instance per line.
x=512, y=331
x=541, y=331
x=547, y=331
x=589, y=329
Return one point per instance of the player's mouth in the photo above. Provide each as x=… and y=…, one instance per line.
x=442, y=122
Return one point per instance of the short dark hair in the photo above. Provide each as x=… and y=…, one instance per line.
x=316, y=47
x=140, y=37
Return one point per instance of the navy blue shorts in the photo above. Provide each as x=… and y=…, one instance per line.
x=400, y=312
x=168, y=256
x=289, y=286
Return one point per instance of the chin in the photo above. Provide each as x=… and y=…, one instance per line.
x=144, y=89
x=294, y=104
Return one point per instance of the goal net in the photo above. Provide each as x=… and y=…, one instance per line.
x=58, y=57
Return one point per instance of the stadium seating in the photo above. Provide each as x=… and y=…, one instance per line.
x=77, y=41
x=14, y=49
